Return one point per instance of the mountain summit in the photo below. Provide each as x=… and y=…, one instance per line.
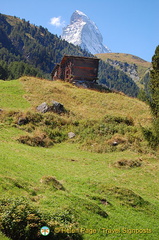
x=84, y=33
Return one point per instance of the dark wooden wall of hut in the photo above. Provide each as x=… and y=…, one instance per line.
x=76, y=68
x=85, y=69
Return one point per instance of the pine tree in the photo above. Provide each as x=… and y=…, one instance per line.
x=152, y=135
x=154, y=85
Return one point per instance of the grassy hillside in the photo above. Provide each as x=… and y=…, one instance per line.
x=142, y=65
x=123, y=57
x=77, y=185
x=12, y=95
x=84, y=103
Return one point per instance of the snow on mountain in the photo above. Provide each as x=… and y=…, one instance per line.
x=84, y=33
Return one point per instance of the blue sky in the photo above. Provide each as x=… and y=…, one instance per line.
x=127, y=26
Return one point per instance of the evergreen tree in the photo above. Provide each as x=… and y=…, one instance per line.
x=152, y=135
x=3, y=70
x=154, y=85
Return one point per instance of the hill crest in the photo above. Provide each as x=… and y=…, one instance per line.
x=135, y=67
x=124, y=57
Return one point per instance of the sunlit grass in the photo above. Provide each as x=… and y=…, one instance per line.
x=12, y=95
x=85, y=103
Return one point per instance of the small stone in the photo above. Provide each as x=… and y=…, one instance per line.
x=43, y=108
x=71, y=135
x=58, y=107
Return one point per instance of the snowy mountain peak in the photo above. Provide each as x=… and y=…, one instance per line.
x=84, y=33
x=77, y=16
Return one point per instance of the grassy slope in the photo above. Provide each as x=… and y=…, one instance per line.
x=87, y=177
x=142, y=65
x=123, y=57
x=12, y=95
x=85, y=104
x=2, y=237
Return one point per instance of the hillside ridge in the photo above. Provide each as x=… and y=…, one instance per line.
x=124, y=57
x=134, y=66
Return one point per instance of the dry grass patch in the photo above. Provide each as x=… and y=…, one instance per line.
x=85, y=103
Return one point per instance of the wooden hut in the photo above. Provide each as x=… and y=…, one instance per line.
x=75, y=68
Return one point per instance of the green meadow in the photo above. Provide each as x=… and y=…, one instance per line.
x=84, y=187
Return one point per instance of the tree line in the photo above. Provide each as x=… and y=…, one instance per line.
x=117, y=80
x=15, y=70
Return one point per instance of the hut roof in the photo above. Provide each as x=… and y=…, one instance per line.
x=77, y=57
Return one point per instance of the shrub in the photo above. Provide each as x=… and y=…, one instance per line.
x=150, y=137
x=20, y=220
x=34, y=117
x=56, y=135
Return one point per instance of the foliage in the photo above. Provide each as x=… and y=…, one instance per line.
x=108, y=135
x=152, y=135
x=117, y=80
x=20, y=220
x=3, y=237
x=144, y=94
x=154, y=85
x=17, y=69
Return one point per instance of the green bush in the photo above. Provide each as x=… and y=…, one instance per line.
x=150, y=137
x=56, y=135
x=34, y=117
x=20, y=220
